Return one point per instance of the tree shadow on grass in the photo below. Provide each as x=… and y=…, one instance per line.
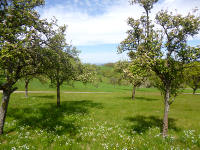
x=45, y=97
x=139, y=98
x=146, y=99
x=142, y=123
x=125, y=89
x=52, y=119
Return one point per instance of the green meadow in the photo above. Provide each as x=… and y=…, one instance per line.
x=114, y=105
x=95, y=121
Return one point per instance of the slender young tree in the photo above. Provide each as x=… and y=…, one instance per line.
x=27, y=79
x=132, y=72
x=192, y=75
x=140, y=40
x=177, y=29
x=87, y=73
x=62, y=60
x=145, y=42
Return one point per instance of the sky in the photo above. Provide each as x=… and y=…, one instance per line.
x=96, y=27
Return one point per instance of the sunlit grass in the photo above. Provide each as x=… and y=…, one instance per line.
x=35, y=85
x=100, y=121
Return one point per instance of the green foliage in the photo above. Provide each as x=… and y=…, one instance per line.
x=172, y=75
x=107, y=74
x=146, y=4
x=109, y=64
x=144, y=44
x=20, y=40
x=176, y=29
x=87, y=74
x=62, y=58
x=132, y=72
x=192, y=75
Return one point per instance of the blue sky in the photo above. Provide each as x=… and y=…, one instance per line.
x=96, y=27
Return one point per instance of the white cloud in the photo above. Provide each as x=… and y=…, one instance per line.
x=110, y=27
x=83, y=29
x=182, y=6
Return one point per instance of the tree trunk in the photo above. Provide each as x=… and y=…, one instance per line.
x=26, y=88
x=194, y=90
x=133, y=92
x=147, y=12
x=3, y=109
x=166, y=110
x=58, y=94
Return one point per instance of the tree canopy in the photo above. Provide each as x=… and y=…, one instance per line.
x=21, y=45
x=62, y=59
x=165, y=50
x=192, y=75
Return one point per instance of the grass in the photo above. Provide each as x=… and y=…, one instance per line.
x=100, y=121
x=35, y=85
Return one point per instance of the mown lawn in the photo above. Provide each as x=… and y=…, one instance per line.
x=36, y=85
x=100, y=121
